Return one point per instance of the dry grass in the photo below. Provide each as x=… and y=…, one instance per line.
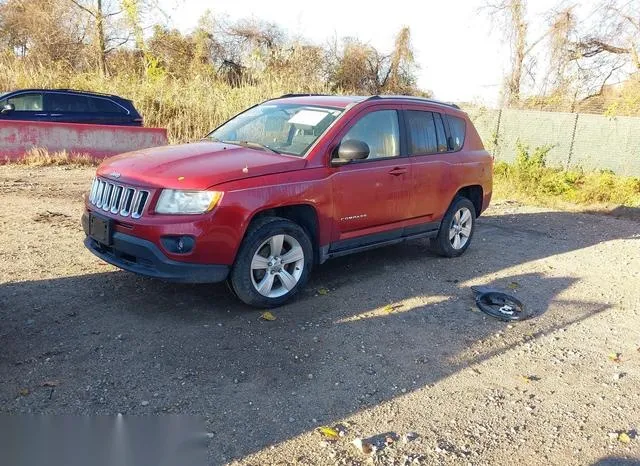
x=41, y=157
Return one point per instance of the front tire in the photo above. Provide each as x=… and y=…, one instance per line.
x=273, y=263
x=456, y=229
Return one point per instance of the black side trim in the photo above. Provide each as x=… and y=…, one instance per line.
x=387, y=238
x=366, y=240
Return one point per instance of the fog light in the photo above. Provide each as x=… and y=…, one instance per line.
x=178, y=244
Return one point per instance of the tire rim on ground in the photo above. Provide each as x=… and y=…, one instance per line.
x=460, y=229
x=277, y=266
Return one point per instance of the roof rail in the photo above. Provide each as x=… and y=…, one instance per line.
x=415, y=98
x=285, y=96
x=79, y=91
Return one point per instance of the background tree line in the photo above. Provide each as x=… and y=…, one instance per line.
x=190, y=82
x=110, y=37
x=589, y=63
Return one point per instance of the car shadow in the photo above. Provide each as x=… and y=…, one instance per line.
x=616, y=461
x=368, y=328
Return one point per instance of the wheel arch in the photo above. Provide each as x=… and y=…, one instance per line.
x=475, y=194
x=302, y=214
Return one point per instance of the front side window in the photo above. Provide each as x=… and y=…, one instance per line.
x=30, y=102
x=457, y=127
x=380, y=131
x=284, y=128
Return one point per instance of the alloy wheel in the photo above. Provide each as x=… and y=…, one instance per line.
x=460, y=229
x=277, y=266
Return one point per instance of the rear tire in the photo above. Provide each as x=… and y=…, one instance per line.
x=273, y=263
x=456, y=229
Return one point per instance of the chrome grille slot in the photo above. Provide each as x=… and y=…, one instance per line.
x=127, y=200
x=138, y=206
x=94, y=190
x=118, y=199
x=100, y=191
x=106, y=198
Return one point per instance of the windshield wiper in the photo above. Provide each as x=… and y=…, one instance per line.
x=253, y=144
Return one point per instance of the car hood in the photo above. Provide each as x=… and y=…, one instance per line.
x=195, y=166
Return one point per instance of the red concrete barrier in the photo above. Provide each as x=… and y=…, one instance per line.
x=99, y=141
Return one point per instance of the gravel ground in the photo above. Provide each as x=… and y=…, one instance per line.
x=380, y=345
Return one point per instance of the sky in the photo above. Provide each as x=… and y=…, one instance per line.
x=461, y=54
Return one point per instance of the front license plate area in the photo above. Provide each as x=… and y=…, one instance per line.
x=101, y=229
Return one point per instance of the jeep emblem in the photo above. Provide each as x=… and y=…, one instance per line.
x=115, y=175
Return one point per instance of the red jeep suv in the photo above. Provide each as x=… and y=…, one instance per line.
x=288, y=184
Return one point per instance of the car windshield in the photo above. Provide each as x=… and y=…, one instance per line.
x=283, y=128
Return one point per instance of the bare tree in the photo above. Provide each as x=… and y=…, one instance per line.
x=42, y=30
x=400, y=77
x=510, y=16
x=618, y=32
x=99, y=14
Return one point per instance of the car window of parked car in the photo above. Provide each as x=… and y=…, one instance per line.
x=457, y=126
x=30, y=102
x=380, y=130
x=103, y=105
x=67, y=103
x=422, y=132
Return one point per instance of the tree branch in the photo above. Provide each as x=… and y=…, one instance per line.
x=82, y=7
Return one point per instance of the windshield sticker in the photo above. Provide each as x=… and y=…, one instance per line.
x=308, y=117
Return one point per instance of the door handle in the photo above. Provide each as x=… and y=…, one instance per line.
x=397, y=171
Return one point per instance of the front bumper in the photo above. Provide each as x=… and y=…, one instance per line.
x=140, y=256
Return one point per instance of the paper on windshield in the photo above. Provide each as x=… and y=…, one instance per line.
x=308, y=117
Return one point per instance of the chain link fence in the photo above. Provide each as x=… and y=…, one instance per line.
x=577, y=140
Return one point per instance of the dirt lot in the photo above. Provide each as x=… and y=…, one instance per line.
x=473, y=389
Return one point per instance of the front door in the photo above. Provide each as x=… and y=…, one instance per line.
x=371, y=196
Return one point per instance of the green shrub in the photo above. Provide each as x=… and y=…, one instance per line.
x=529, y=177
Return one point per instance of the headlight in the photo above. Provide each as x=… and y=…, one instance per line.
x=172, y=201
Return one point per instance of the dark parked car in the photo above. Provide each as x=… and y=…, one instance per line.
x=68, y=106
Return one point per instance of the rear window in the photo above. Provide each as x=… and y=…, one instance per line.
x=457, y=126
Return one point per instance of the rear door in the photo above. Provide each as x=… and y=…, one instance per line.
x=371, y=196
x=28, y=106
x=430, y=159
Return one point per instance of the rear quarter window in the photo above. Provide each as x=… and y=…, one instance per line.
x=105, y=106
x=457, y=127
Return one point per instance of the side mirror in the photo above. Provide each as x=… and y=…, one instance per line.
x=7, y=108
x=350, y=150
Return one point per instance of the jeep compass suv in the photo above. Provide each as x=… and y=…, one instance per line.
x=288, y=184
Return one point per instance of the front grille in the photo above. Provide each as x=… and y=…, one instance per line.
x=118, y=199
